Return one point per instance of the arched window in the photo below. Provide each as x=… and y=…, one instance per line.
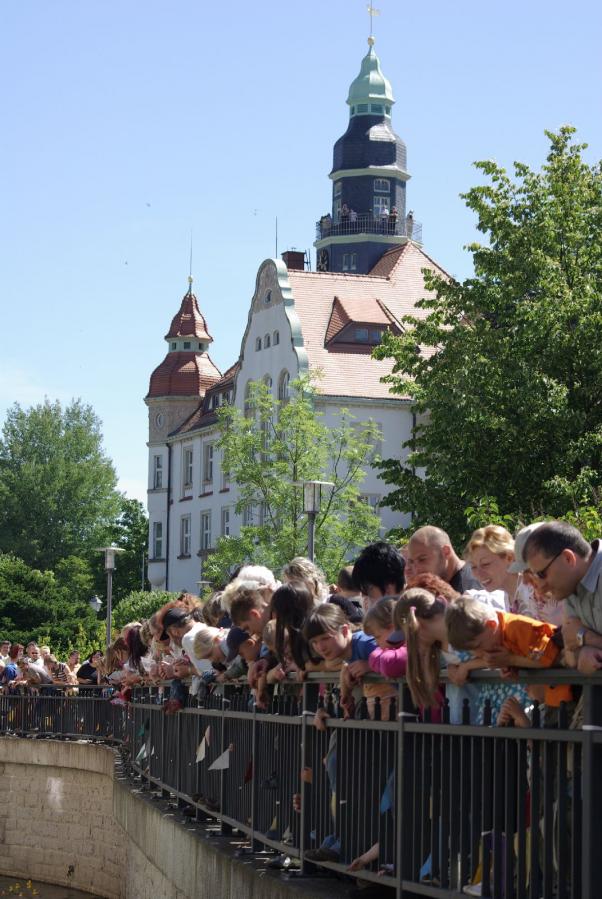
x=276, y=338
x=257, y=343
x=267, y=381
x=266, y=341
x=284, y=386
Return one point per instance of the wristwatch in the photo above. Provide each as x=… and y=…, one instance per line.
x=581, y=637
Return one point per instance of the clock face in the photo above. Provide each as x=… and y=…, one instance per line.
x=159, y=419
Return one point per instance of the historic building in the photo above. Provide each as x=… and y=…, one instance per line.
x=369, y=261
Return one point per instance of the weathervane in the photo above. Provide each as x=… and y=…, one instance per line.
x=372, y=12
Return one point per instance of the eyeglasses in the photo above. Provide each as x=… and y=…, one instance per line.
x=540, y=575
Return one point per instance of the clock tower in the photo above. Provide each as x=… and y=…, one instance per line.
x=369, y=176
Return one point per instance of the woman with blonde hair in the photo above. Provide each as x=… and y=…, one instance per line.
x=302, y=569
x=490, y=552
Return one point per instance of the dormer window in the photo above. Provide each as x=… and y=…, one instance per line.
x=214, y=401
x=362, y=335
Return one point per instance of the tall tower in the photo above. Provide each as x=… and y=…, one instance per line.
x=369, y=179
x=177, y=388
x=179, y=383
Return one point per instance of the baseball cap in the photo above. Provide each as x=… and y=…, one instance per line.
x=520, y=541
x=236, y=637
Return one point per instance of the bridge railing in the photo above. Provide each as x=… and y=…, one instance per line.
x=442, y=807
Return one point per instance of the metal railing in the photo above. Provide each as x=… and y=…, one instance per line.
x=369, y=224
x=518, y=810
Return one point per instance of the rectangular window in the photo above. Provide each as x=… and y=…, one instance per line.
x=187, y=467
x=337, y=210
x=247, y=516
x=157, y=472
x=225, y=478
x=349, y=262
x=338, y=187
x=205, y=530
x=225, y=521
x=382, y=185
x=263, y=514
x=362, y=335
x=208, y=464
x=372, y=499
x=157, y=540
x=185, y=535
x=381, y=205
x=376, y=336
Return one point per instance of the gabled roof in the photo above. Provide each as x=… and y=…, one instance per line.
x=189, y=322
x=203, y=415
x=370, y=311
x=348, y=373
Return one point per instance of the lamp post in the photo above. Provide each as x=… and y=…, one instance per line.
x=95, y=604
x=110, y=553
x=312, y=500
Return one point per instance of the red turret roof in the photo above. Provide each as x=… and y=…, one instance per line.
x=189, y=322
x=183, y=374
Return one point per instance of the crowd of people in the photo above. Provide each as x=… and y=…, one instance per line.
x=527, y=602
x=415, y=611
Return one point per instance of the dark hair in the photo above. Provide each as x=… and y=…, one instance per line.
x=351, y=611
x=379, y=565
x=136, y=647
x=554, y=536
x=292, y=604
x=14, y=651
x=325, y=619
x=345, y=578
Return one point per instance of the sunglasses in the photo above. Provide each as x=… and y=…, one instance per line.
x=542, y=573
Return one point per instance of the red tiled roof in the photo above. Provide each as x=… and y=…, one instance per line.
x=189, y=322
x=351, y=373
x=183, y=374
x=387, y=262
x=198, y=419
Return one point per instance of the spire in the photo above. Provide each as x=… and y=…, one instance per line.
x=370, y=93
x=189, y=321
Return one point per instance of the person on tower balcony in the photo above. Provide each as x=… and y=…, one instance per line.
x=393, y=220
x=345, y=218
x=353, y=220
x=409, y=224
x=384, y=219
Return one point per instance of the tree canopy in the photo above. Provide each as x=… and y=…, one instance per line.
x=273, y=446
x=506, y=386
x=57, y=486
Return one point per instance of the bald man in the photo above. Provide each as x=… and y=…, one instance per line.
x=430, y=550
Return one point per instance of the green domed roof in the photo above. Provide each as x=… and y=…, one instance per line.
x=370, y=86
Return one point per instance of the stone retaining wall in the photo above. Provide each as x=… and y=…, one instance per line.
x=69, y=819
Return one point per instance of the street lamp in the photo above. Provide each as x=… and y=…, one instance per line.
x=110, y=553
x=95, y=603
x=312, y=500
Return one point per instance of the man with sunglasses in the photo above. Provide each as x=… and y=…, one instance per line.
x=570, y=569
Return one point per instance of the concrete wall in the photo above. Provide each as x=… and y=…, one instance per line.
x=64, y=806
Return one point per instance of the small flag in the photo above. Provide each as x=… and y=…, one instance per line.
x=222, y=761
x=142, y=754
x=201, y=749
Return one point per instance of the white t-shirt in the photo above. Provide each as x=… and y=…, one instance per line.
x=201, y=665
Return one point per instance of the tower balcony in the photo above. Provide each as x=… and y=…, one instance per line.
x=392, y=226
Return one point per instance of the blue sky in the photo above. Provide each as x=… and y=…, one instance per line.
x=128, y=124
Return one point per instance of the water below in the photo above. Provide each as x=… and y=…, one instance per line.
x=15, y=886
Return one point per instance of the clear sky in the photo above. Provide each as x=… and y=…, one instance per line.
x=127, y=124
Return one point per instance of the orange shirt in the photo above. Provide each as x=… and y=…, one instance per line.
x=529, y=638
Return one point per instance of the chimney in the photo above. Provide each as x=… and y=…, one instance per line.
x=294, y=259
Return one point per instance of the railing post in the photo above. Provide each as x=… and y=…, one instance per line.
x=591, y=791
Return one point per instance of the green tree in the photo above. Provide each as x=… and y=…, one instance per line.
x=130, y=532
x=270, y=448
x=57, y=486
x=140, y=604
x=507, y=394
x=47, y=606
